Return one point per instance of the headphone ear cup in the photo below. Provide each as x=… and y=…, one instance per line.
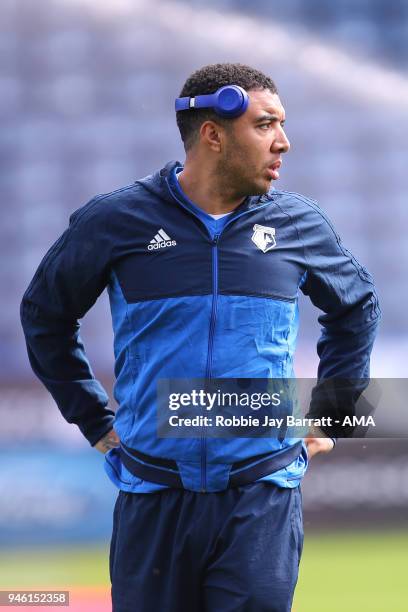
x=232, y=101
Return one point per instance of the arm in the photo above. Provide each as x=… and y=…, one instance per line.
x=72, y=275
x=339, y=286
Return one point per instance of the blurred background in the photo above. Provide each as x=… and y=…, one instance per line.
x=87, y=89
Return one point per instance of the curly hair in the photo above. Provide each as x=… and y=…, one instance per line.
x=207, y=80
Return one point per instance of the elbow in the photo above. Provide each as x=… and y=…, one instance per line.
x=367, y=315
x=24, y=313
x=28, y=310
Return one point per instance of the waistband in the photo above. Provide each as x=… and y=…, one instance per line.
x=166, y=471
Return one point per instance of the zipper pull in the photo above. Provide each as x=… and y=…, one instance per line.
x=215, y=239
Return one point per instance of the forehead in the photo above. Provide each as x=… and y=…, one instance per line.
x=261, y=102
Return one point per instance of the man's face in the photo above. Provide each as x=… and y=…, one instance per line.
x=254, y=144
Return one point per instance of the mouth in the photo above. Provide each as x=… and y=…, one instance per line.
x=273, y=169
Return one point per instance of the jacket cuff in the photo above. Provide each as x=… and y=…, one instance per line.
x=95, y=430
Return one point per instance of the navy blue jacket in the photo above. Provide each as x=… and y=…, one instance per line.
x=192, y=297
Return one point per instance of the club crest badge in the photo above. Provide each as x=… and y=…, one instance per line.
x=264, y=237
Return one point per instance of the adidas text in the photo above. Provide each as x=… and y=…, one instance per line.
x=161, y=245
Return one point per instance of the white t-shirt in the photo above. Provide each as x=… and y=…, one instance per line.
x=219, y=216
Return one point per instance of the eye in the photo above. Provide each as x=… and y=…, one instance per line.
x=265, y=125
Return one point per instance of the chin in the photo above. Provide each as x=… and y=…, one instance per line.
x=261, y=188
x=258, y=188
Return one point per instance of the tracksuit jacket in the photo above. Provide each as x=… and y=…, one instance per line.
x=193, y=297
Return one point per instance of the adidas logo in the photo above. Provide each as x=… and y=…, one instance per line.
x=160, y=241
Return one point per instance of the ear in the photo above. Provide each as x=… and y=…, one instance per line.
x=212, y=134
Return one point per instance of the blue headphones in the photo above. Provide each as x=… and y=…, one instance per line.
x=228, y=101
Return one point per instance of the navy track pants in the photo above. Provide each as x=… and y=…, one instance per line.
x=181, y=551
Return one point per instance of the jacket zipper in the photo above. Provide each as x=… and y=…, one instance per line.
x=213, y=319
x=214, y=244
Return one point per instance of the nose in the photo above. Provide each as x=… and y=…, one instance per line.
x=281, y=144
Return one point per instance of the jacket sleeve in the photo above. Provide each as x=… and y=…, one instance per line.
x=72, y=275
x=343, y=289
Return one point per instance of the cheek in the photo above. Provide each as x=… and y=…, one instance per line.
x=242, y=158
x=249, y=156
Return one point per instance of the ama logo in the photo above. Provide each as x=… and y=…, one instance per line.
x=264, y=237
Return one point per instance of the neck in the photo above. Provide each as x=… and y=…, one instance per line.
x=207, y=189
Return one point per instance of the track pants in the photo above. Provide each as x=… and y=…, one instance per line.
x=180, y=551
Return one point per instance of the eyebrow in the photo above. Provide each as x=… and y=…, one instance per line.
x=269, y=117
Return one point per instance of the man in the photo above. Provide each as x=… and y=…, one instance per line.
x=203, y=264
